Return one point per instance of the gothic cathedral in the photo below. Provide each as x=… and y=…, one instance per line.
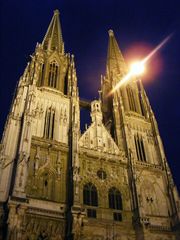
x=110, y=182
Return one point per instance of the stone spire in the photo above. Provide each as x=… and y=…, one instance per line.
x=115, y=61
x=53, y=39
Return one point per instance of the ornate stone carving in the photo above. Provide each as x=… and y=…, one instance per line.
x=15, y=222
x=77, y=225
x=59, y=163
x=42, y=229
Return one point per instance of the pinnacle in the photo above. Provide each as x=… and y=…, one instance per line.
x=56, y=12
x=111, y=33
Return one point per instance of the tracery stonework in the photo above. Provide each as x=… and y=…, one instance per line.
x=111, y=181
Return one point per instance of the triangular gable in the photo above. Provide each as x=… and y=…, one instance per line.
x=96, y=137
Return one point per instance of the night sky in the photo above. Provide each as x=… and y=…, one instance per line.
x=138, y=26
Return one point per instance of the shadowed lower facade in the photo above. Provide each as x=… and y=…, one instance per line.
x=110, y=182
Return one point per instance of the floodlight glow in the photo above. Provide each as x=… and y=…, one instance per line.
x=137, y=68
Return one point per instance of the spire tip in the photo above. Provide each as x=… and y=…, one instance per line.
x=56, y=12
x=53, y=37
x=111, y=33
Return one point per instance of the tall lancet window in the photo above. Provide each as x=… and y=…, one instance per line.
x=131, y=99
x=53, y=74
x=142, y=104
x=49, y=123
x=90, y=197
x=41, y=74
x=140, y=150
x=115, y=202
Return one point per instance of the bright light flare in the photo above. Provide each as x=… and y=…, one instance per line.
x=139, y=67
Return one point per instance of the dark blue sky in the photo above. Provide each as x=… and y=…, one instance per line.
x=85, y=25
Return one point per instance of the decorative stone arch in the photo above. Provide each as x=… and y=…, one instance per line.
x=46, y=177
x=89, y=179
x=55, y=56
x=161, y=196
x=49, y=170
x=148, y=200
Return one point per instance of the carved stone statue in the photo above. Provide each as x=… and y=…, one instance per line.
x=77, y=224
x=14, y=223
x=43, y=236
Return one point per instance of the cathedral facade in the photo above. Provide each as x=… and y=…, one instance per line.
x=110, y=182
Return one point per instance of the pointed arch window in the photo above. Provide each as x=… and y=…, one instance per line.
x=115, y=199
x=131, y=99
x=143, y=111
x=53, y=74
x=66, y=83
x=49, y=123
x=141, y=101
x=115, y=202
x=41, y=74
x=140, y=150
x=90, y=196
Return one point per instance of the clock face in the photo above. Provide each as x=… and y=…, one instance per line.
x=101, y=174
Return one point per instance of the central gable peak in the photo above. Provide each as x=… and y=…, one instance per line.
x=96, y=137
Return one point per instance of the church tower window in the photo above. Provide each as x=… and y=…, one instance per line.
x=131, y=99
x=53, y=74
x=140, y=150
x=143, y=111
x=41, y=74
x=49, y=123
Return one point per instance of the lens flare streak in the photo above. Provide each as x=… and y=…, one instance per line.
x=142, y=62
